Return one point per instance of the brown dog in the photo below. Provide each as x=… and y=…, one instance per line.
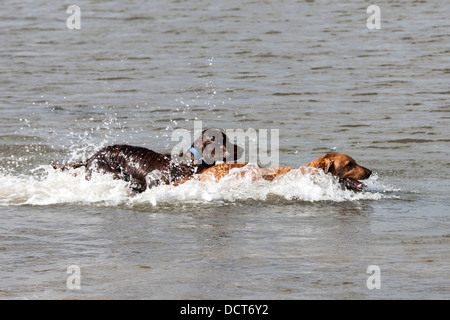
x=145, y=168
x=339, y=165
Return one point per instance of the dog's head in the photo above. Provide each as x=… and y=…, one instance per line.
x=344, y=167
x=214, y=145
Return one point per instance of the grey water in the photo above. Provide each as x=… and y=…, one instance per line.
x=138, y=70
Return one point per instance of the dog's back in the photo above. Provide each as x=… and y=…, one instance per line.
x=339, y=165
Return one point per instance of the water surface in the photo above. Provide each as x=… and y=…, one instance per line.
x=136, y=71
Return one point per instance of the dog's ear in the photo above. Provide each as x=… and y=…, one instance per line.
x=329, y=165
x=326, y=165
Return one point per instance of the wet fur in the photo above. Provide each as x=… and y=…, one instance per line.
x=339, y=165
x=145, y=168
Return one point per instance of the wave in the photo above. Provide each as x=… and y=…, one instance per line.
x=53, y=187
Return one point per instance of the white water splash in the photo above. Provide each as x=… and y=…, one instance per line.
x=71, y=187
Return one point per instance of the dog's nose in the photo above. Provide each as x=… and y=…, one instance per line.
x=368, y=172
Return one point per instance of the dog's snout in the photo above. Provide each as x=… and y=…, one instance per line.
x=368, y=172
x=237, y=152
x=234, y=153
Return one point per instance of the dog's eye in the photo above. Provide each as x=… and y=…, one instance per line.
x=350, y=164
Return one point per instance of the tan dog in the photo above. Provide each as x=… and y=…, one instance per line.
x=339, y=165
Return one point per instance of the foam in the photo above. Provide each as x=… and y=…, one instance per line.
x=52, y=187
